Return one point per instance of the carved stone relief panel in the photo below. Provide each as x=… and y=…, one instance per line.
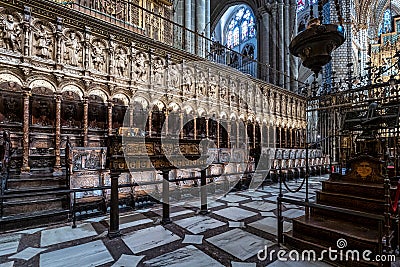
x=99, y=56
x=158, y=71
x=73, y=49
x=11, y=29
x=213, y=91
x=224, y=89
x=121, y=61
x=43, y=40
x=140, y=67
x=188, y=84
x=202, y=83
x=174, y=75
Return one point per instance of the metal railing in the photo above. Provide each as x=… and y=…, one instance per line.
x=160, y=28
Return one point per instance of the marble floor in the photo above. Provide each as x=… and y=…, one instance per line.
x=238, y=226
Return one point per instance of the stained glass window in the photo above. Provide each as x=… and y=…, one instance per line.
x=386, y=25
x=241, y=27
x=301, y=4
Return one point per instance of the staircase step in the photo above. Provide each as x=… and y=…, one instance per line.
x=329, y=230
x=14, y=206
x=36, y=190
x=31, y=181
x=354, y=189
x=300, y=244
x=368, y=205
x=344, y=216
x=33, y=219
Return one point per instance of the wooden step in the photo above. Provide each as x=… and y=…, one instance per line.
x=329, y=230
x=354, y=189
x=19, y=182
x=300, y=244
x=34, y=219
x=368, y=205
x=344, y=216
x=33, y=204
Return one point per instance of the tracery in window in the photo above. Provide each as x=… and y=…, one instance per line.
x=386, y=25
x=240, y=28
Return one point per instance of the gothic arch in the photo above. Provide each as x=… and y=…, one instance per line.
x=219, y=9
x=10, y=77
x=41, y=82
x=100, y=93
x=73, y=88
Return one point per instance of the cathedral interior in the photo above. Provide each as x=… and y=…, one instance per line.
x=199, y=132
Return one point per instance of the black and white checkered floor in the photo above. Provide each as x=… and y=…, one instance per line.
x=238, y=227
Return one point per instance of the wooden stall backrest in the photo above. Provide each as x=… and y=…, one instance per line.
x=87, y=169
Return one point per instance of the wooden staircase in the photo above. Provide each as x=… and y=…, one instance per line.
x=358, y=194
x=34, y=200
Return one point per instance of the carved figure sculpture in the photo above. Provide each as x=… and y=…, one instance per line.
x=11, y=34
x=120, y=59
x=43, y=42
x=98, y=57
x=73, y=48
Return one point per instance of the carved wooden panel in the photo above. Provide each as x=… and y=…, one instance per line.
x=11, y=108
x=84, y=158
x=97, y=113
x=71, y=110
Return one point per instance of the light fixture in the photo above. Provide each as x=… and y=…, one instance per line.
x=315, y=44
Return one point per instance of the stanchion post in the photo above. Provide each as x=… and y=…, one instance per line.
x=203, y=192
x=114, y=231
x=165, y=193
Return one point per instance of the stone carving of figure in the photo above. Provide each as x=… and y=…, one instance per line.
x=43, y=42
x=187, y=80
x=120, y=59
x=98, y=57
x=73, y=48
x=158, y=70
x=173, y=75
x=140, y=67
x=11, y=34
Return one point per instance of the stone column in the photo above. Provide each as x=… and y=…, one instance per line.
x=207, y=132
x=288, y=31
x=166, y=123
x=150, y=122
x=265, y=41
x=131, y=108
x=229, y=126
x=274, y=43
x=27, y=31
x=25, y=139
x=237, y=133
x=181, y=124
x=218, y=141
x=188, y=25
x=281, y=40
x=294, y=70
x=110, y=120
x=200, y=25
x=194, y=127
x=57, y=165
x=85, y=121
